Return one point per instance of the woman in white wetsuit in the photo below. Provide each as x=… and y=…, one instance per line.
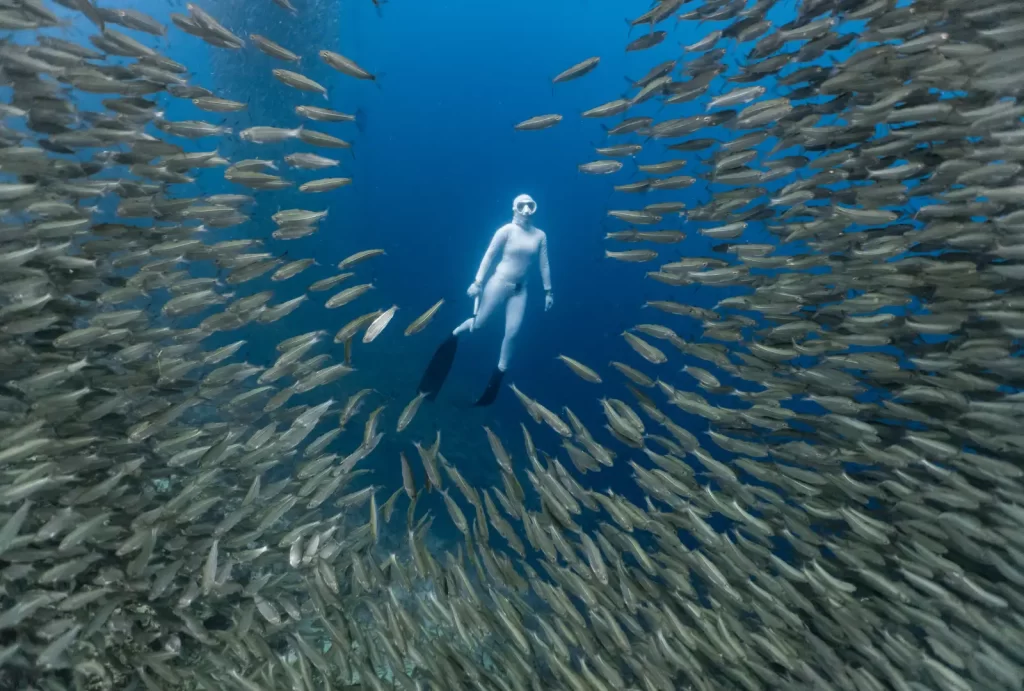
x=519, y=242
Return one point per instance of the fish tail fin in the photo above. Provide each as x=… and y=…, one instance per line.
x=361, y=120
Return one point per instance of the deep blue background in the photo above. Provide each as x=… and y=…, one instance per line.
x=436, y=164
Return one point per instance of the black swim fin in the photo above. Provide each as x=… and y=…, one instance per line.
x=440, y=365
x=491, y=392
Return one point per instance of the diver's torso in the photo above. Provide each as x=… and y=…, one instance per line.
x=521, y=247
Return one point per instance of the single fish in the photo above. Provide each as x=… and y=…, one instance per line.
x=600, y=167
x=273, y=49
x=324, y=184
x=298, y=81
x=379, y=324
x=424, y=319
x=345, y=65
x=539, y=122
x=577, y=70
x=581, y=370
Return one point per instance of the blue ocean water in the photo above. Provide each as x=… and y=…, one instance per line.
x=436, y=166
x=436, y=163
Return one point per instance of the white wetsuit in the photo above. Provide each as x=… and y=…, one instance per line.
x=519, y=243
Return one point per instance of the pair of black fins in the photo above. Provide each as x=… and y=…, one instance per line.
x=441, y=364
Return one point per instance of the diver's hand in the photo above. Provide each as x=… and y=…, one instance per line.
x=473, y=290
x=549, y=300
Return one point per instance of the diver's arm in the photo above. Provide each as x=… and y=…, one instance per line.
x=545, y=272
x=545, y=267
x=497, y=242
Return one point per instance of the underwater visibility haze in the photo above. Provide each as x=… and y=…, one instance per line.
x=366, y=344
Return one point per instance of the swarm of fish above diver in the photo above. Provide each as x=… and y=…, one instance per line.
x=169, y=520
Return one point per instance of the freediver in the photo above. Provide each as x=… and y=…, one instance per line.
x=519, y=243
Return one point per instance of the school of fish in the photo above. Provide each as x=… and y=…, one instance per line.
x=169, y=520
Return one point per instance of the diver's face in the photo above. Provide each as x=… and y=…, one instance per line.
x=526, y=208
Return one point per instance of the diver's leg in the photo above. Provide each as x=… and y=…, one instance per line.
x=441, y=363
x=495, y=292
x=514, y=311
x=515, y=308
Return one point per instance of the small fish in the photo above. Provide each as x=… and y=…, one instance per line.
x=324, y=184
x=629, y=125
x=374, y=527
x=273, y=49
x=298, y=81
x=584, y=372
x=539, y=122
x=636, y=217
x=661, y=237
x=322, y=139
x=345, y=65
x=308, y=161
x=210, y=569
x=408, y=479
x=286, y=216
x=620, y=105
x=408, y=413
x=577, y=70
x=674, y=182
x=645, y=349
x=600, y=167
x=348, y=331
x=348, y=295
x=665, y=167
x=424, y=319
x=359, y=257
x=634, y=375
x=292, y=269
x=458, y=518
x=705, y=43
x=329, y=282
x=352, y=406
x=736, y=97
x=620, y=151
x=217, y=105
x=647, y=41
x=634, y=256
x=323, y=114
x=379, y=324
x=268, y=135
